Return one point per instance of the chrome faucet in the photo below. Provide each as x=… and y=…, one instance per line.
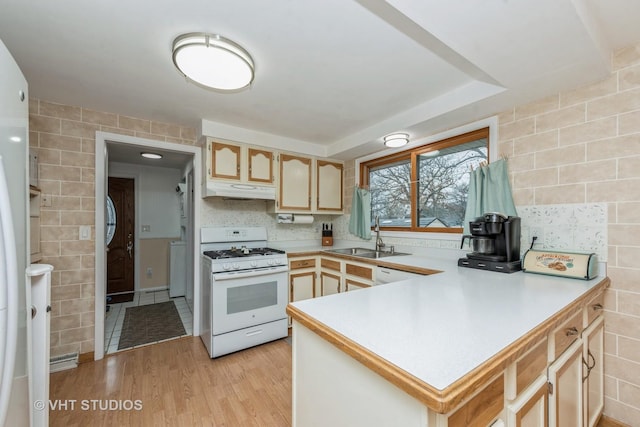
x=379, y=242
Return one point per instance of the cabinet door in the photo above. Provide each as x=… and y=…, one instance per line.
x=352, y=285
x=225, y=161
x=329, y=283
x=565, y=376
x=260, y=166
x=593, y=339
x=530, y=408
x=295, y=183
x=329, y=185
x=302, y=285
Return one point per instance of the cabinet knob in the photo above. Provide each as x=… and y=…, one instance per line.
x=597, y=307
x=571, y=331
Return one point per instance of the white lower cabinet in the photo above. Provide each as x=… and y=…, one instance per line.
x=302, y=278
x=531, y=408
x=593, y=338
x=329, y=283
x=353, y=285
x=565, y=379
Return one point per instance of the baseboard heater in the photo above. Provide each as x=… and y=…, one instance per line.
x=63, y=362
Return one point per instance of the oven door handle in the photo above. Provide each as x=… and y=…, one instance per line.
x=250, y=273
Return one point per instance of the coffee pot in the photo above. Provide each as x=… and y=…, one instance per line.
x=495, y=242
x=484, y=230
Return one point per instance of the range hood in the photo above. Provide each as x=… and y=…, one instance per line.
x=233, y=190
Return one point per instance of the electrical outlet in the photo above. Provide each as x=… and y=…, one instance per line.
x=538, y=232
x=149, y=272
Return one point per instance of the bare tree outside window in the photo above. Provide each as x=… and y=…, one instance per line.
x=441, y=186
x=444, y=183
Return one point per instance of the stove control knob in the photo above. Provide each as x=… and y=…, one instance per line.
x=269, y=262
x=277, y=261
x=236, y=266
x=226, y=266
x=254, y=263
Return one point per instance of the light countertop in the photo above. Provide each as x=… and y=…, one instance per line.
x=440, y=327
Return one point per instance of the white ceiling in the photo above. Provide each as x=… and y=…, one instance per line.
x=332, y=76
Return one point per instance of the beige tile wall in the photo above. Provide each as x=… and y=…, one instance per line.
x=64, y=137
x=583, y=146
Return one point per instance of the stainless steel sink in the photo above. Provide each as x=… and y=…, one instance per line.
x=365, y=253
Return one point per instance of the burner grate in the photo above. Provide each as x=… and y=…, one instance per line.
x=242, y=253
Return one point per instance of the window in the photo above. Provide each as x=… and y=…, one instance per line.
x=425, y=188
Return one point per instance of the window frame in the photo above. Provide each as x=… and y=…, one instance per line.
x=412, y=154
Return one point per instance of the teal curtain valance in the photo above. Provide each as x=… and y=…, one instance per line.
x=360, y=220
x=489, y=191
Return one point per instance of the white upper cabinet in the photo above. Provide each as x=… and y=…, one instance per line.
x=329, y=185
x=260, y=166
x=225, y=161
x=309, y=185
x=239, y=162
x=303, y=184
x=295, y=183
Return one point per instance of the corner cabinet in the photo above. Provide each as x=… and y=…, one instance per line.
x=238, y=162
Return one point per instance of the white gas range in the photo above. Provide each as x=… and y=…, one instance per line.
x=244, y=290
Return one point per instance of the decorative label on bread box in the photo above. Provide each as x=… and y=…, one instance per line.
x=566, y=264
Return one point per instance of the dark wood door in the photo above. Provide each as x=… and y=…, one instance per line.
x=120, y=251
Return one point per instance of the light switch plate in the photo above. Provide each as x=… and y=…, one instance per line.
x=146, y=228
x=85, y=232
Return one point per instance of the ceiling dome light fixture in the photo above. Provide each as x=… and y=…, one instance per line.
x=396, y=140
x=212, y=61
x=154, y=156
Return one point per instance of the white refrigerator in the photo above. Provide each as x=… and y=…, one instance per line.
x=14, y=242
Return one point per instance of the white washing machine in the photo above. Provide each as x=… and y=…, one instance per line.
x=177, y=268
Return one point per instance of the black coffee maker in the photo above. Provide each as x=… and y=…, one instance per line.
x=495, y=241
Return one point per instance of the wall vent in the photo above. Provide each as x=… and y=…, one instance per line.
x=63, y=362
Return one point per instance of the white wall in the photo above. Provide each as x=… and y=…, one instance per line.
x=157, y=203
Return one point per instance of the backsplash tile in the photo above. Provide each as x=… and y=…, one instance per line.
x=580, y=227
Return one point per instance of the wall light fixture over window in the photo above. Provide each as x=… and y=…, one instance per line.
x=212, y=61
x=154, y=156
x=396, y=140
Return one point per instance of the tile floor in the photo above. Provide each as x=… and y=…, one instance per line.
x=114, y=318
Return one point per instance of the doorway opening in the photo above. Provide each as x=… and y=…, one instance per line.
x=142, y=211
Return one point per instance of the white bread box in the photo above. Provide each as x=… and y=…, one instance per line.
x=565, y=264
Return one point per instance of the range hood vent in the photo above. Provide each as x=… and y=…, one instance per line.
x=232, y=190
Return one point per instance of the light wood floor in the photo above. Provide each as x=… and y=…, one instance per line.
x=178, y=385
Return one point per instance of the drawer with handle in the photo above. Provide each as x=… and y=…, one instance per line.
x=594, y=308
x=302, y=263
x=567, y=333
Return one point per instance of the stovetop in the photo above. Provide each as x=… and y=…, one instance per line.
x=242, y=252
